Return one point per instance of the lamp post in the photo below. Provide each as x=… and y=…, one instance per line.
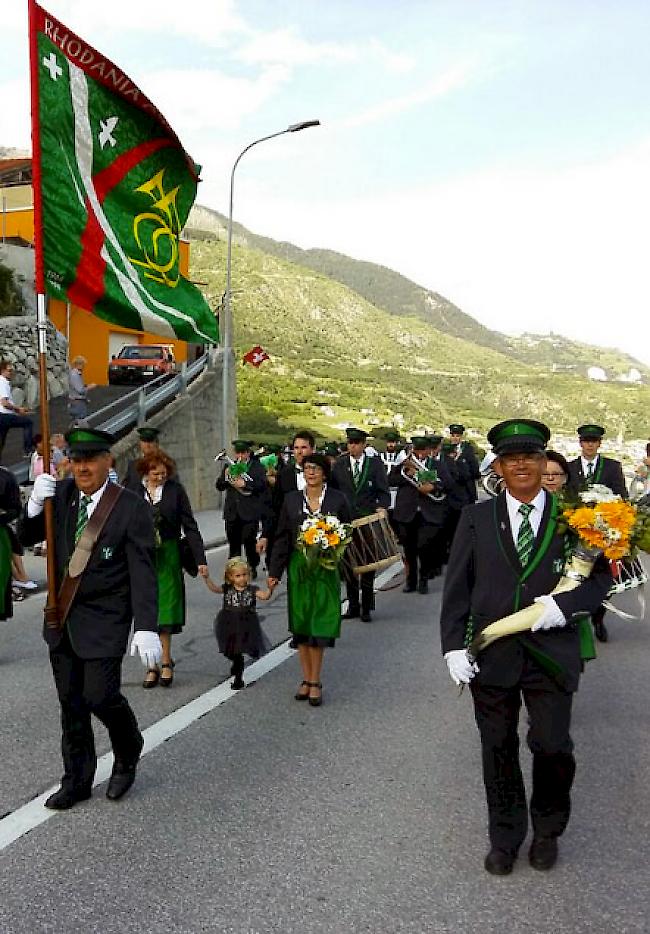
x=226, y=324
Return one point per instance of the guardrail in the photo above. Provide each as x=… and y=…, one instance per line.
x=131, y=410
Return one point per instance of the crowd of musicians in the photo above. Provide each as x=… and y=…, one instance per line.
x=120, y=559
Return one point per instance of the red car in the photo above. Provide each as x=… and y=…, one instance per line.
x=139, y=363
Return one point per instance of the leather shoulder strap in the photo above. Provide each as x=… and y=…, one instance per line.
x=83, y=550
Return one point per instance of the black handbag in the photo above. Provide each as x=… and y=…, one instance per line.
x=188, y=561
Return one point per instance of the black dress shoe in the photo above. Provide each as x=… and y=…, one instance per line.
x=119, y=783
x=600, y=630
x=423, y=586
x=499, y=863
x=66, y=798
x=352, y=613
x=409, y=588
x=543, y=853
x=366, y=617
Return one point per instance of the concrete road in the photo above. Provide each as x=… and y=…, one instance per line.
x=364, y=815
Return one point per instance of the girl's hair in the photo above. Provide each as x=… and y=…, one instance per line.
x=232, y=565
x=558, y=459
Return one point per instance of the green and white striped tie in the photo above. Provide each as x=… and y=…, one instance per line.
x=356, y=474
x=590, y=472
x=526, y=537
x=82, y=516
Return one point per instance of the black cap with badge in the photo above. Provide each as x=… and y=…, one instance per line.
x=86, y=442
x=519, y=435
x=242, y=446
x=355, y=434
x=590, y=432
x=456, y=429
x=148, y=433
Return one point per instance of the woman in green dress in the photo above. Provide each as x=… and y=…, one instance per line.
x=314, y=593
x=173, y=518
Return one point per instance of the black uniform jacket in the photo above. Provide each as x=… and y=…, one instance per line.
x=9, y=510
x=469, y=469
x=238, y=506
x=293, y=515
x=119, y=583
x=176, y=516
x=373, y=491
x=608, y=472
x=409, y=499
x=485, y=582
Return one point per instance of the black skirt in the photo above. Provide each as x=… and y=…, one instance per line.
x=239, y=632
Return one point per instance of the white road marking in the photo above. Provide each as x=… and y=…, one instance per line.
x=33, y=814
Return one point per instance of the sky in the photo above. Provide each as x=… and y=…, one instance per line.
x=495, y=151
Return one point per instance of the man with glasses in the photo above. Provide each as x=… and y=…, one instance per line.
x=507, y=554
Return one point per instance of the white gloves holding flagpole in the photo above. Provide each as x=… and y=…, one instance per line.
x=461, y=669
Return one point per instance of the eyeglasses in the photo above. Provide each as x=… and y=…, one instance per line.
x=553, y=476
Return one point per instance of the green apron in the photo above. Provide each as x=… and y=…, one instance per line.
x=314, y=599
x=171, y=604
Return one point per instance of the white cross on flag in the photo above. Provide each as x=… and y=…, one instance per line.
x=256, y=356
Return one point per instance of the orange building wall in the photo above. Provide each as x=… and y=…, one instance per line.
x=87, y=335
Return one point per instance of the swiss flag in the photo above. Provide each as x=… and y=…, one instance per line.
x=256, y=356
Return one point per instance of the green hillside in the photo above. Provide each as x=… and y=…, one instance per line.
x=393, y=292
x=338, y=359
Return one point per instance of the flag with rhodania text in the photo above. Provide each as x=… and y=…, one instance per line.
x=113, y=187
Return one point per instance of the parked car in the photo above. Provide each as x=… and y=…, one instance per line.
x=139, y=363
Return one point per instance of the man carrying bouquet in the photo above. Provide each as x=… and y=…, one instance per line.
x=507, y=554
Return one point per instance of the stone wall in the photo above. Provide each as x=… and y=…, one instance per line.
x=191, y=431
x=18, y=343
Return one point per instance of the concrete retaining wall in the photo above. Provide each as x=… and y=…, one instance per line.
x=191, y=431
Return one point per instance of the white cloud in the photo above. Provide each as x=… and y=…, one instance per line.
x=451, y=80
x=287, y=47
x=194, y=99
x=211, y=22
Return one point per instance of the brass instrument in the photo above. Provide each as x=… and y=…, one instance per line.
x=492, y=483
x=414, y=463
x=224, y=456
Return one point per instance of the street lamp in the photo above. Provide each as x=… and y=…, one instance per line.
x=226, y=323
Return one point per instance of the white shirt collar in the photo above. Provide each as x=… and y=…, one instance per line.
x=94, y=497
x=535, y=516
x=585, y=463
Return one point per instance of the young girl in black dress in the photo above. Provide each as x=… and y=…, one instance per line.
x=237, y=626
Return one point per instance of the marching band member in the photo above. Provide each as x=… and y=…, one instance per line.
x=244, y=502
x=420, y=517
x=592, y=467
x=508, y=554
x=363, y=481
x=392, y=457
x=463, y=453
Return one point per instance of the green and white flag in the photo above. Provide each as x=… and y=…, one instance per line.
x=112, y=187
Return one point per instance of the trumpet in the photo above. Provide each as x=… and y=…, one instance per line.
x=227, y=459
x=492, y=483
x=414, y=463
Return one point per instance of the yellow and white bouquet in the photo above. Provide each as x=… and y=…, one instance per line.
x=322, y=540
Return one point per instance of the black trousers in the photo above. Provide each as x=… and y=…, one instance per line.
x=242, y=534
x=360, y=590
x=423, y=548
x=85, y=687
x=497, y=713
x=11, y=420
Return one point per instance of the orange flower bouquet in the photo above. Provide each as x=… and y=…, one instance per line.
x=322, y=540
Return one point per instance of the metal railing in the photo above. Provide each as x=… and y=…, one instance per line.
x=132, y=410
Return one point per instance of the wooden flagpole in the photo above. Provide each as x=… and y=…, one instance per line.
x=51, y=607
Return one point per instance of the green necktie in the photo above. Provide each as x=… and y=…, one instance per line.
x=525, y=538
x=356, y=474
x=82, y=516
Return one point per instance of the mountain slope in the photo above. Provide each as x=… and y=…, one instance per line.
x=393, y=292
x=338, y=359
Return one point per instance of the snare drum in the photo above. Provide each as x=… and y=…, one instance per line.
x=373, y=545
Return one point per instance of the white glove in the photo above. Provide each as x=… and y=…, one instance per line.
x=552, y=617
x=148, y=645
x=44, y=487
x=461, y=669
